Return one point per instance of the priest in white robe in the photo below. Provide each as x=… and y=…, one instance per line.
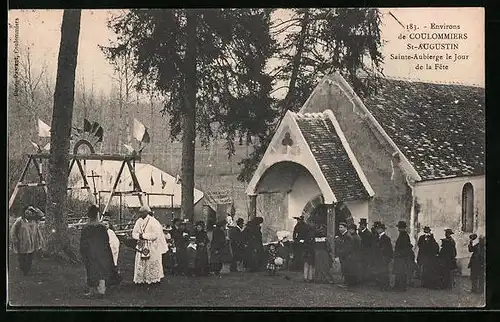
x=151, y=245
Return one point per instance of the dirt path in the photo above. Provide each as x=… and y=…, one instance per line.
x=53, y=284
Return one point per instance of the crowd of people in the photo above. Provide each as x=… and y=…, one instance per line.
x=366, y=256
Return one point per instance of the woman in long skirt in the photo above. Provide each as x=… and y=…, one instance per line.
x=202, y=241
x=322, y=261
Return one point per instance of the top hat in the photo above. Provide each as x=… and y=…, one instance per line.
x=427, y=229
x=240, y=220
x=401, y=224
x=376, y=224
x=363, y=221
x=342, y=224
x=449, y=231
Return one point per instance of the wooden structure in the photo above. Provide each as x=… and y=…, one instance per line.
x=128, y=160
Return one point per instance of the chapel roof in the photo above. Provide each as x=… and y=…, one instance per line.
x=440, y=128
x=331, y=156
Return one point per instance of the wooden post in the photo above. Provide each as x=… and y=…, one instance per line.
x=331, y=229
x=19, y=182
x=253, y=207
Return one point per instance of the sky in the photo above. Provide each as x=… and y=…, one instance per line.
x=40, y=31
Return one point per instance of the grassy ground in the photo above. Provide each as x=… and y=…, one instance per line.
x=54, y=284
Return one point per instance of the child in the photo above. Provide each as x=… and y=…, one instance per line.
x=274, y=262
x=283, y=250
x=169, y=261
x=191, y=256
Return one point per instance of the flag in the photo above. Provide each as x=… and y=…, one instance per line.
x=163, y=182
x=36, y=146
x=152, y=181
x=87, y=126
x=95, y=127
x=99, y=133
x=43, y=129
x=129, y=148
x=141, y=132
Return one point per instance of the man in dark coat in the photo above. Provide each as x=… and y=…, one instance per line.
x=96, y=254
x=237, y=245
x=180, y=247
x=356, y=252
x=300, y=233
x=254, y=247
x=447, y=259
x=383, y=255
x=365, y=256
x=374, y=228
x=476, y=263
x=344, y=246
x=428, y=250
x=403, y=258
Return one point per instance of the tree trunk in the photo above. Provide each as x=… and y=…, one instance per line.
x=296, y=62
x=189, y=119
x=62, y=114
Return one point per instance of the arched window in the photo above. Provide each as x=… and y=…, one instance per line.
x=468, y=208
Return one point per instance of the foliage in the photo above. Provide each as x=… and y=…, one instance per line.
x=317, y=42
x=233, y=46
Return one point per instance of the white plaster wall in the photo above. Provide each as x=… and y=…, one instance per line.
x=441, y=207
x=358, y=209
x=303, y=190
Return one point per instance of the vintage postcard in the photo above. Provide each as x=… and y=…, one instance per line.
x=247, y=158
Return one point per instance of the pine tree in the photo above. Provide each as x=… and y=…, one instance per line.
x=210, y=65
x=317, y=42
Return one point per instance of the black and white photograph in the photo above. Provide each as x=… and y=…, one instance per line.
x=246, y=158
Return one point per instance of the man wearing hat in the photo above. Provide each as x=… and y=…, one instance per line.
x=180, y=246
x=300, y=234
x=365, y=256
x=344, y=251
x=428, y=250
x=151, y=245
x=476, y=263
x=237, y=245
x=383, y=255
x=403, y=258
x=447, y=259
x=96, y=254
x=375, y=225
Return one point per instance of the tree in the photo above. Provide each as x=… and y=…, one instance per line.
x=62, y=114
x=126, y=81
x=210, y=65
x=315, y=43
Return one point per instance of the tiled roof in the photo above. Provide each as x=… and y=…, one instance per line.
x=331, y=156
x=439, y=128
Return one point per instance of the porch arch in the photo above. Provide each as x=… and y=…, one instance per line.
x=280, y=176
